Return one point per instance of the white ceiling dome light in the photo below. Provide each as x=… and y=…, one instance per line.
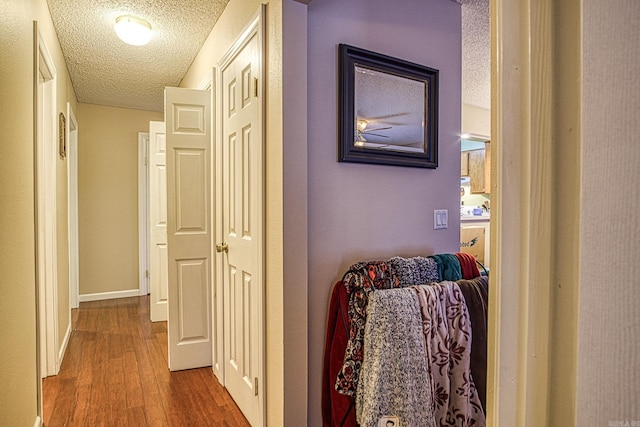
x=132, y=30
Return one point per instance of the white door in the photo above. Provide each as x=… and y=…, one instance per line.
x=144, y=227
x=158, y=269
x=188, y=126
x=242, y=225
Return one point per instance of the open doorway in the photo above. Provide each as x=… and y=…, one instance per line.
x=475, y=135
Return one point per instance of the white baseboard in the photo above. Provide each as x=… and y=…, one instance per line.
x=38, y=422
x=109, y=295
x=63, y=347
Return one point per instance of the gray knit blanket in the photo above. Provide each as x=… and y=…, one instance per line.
x=415, y=271
x=394, y=379
x=362, y=279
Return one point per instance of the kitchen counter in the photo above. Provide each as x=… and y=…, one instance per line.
x=479, y=218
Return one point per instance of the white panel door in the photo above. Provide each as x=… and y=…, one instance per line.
x=242, y=213
x=158, y=268
x=188, y=126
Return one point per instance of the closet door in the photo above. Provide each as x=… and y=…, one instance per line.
x=188, y=120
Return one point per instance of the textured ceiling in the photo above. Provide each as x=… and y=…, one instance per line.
x=106, y=71
x=476, y=53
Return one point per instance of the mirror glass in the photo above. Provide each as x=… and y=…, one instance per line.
x=389, y=111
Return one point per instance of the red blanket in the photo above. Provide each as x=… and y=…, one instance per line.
x=337, y=409
x=468, y=266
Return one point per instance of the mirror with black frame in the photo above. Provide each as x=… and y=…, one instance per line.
x=388, y=110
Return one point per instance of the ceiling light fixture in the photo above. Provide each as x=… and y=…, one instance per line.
x=132, y=30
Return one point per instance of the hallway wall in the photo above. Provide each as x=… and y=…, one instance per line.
x=359, y=211
x=18, y=373
x=108, y=196
x=18, y=404
x=608, y=377
x=64, y=93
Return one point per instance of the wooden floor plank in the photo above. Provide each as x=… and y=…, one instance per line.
x=115, y=374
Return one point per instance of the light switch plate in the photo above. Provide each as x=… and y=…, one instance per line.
x=440, y=219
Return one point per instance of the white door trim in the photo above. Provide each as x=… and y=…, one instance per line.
x=72, y=170
x=46, y=156
x=504, y=369
x=525, y=99
x=217, y=317
x=143, y=212
x=208, y=81
x=256, y=27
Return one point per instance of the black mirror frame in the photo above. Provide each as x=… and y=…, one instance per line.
x=349, y=57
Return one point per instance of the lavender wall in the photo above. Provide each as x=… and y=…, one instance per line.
x=359, y=212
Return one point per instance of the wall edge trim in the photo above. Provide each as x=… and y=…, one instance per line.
x=63, y=346
x=109, y=295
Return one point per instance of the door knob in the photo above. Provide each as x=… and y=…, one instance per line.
x=222, y=247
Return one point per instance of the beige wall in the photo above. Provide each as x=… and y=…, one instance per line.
x=286, y=255
x=18, y=376
x=608, y=386
x=18, y=403
x=108, y=196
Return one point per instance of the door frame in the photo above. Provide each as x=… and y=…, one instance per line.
x=72, y=172
x=209, y=83
x=531, y=107
x=46, y=125
x=255, y=27
x=143, y=212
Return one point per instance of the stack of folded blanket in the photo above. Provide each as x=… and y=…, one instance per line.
x=348, y=351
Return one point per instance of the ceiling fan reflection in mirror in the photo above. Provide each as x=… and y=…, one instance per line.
x=361, y=131
x=361, y=141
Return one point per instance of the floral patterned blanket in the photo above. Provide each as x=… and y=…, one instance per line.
x=447, y=331
x=359, y=281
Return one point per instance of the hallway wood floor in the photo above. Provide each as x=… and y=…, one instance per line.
x=115, y=373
